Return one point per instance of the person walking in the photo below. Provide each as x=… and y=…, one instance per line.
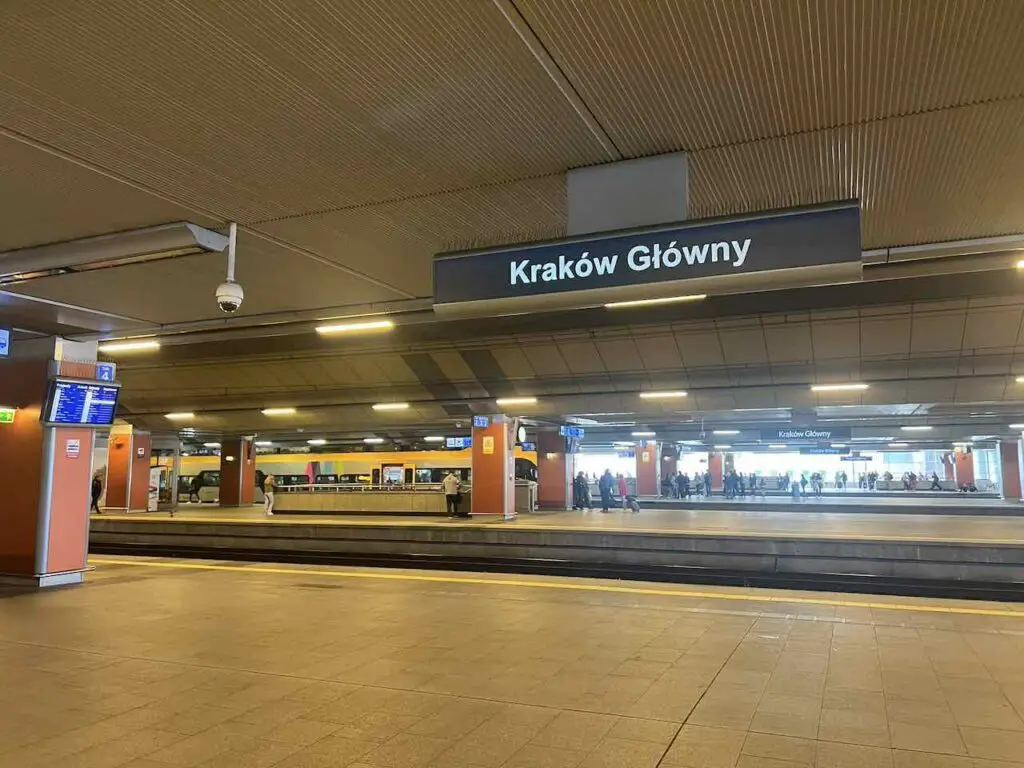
x=193, y=489
x=581, y=492
x=269, y=486
x=605, y=485
x=936, y=485
x=97, y=491
x=622, y=488
x=450, y=488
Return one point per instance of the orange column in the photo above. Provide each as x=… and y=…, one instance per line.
x=128, y=456
x=45, y=474
x=715, y=467
x=494, y=469
x=554, y=471
x=237, y=472
x=647, y=469
x=1009, y=460
x=964, y=468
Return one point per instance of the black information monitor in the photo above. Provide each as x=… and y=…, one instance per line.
x=80, y=403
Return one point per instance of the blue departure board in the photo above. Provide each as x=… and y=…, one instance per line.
x=458, y=442
x=79, y=402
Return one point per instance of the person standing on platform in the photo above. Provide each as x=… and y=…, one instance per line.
x=707, y=484
x=581, y=492
x=97, y=491
x=623, y=489
x=794, y=490
x=450, y=488
x=269, y=485
x=605, y=485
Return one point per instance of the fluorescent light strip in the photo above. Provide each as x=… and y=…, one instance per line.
x=725, y=432
x=838, y=445
x=278, y=411
x=916, y=429
x=316, y=441
x=838, y=387
x=872, y=439
x=433, y=439
x=662, y=395
x=263, y=443
x=899, y=445
x=1017, y=426
x=182, y=416
x=369, y=325
x=644, y=434
x=652, y=302
x=778, y=446
x=373, y=440
x=114, y=347
x=516, y=401
x=390, y=406
x=722, y=447
x=211, y=445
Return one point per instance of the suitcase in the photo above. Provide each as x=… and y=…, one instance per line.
x=632, y=504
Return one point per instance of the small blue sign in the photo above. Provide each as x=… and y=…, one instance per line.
x=458, y=443
x=5, y=342
x=481, y=421
x=566, y=431
x=529, y=446
x=105, y=371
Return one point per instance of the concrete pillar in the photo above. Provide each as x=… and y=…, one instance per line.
x=45, y=471
x=647, y=469
x=237, y=472
x=554, y=471
x=128, y=455
x=1009, y=469
x=494, y=468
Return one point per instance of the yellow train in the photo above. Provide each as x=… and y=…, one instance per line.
x=376, y=468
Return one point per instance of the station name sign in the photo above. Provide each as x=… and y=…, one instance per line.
x=805, y=434
x=779, y=249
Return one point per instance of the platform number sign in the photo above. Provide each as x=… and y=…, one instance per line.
x=5, y=342
x=105, y=371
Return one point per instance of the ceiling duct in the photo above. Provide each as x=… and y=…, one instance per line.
x=135, y=246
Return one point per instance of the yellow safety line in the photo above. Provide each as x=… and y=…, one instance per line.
x=391, y=576
x=518, y=526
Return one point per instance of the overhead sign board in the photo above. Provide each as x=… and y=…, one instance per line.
x=5, y=342
x=106, y=371
x=481, y=422
x=824, y=451
x=458, y=443
x=855, y=458
x=778, y=249
x=805, y=434
x=567, y=431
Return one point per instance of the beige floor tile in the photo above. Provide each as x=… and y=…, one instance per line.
x=702, y=747
x=993, y=744
x=532, y=756
x=623, y=753
x=833, y=755
x=852, y=727
x=751, y=761
x=985, y=712
x=574, y=731
x=638, y=729
x=263, y=754
x=302, y=732
x=925, y=738
x=783, y=748
x=904, y=759
x=406, y=751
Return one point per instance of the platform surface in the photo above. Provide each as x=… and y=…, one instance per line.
x=742, y=521
x=169, y=664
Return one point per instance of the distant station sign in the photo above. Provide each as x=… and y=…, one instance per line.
x=481, y=422
x=777, y=249
x=805, y=434
x=567, y=431
x=820, y=451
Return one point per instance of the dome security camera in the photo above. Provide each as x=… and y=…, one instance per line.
x=229, y=297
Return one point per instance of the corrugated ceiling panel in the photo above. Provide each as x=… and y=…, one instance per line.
x=700, y=349
x=514, y=362
x=885, y=336
x=581, y=357
x=271, y=107
x=788, y=343
x=619, y=354
x=743, y=345
x=663, y=75
x=937, y=331
x=399, y=239
x=835, y=339
x=545, y=359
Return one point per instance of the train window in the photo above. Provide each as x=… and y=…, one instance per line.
x=408, y=476
x=425, y=476
x=376, y=477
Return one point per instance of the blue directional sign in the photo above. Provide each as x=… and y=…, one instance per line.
x=5, y=342
x=481, y=421
x=105, y=371
x=566, y=431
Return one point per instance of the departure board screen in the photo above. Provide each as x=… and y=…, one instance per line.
x=79, y=402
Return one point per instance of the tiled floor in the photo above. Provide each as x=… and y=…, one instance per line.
x=693, y=521
x=164, y=664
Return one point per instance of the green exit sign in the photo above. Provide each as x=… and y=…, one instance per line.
x=7, y=415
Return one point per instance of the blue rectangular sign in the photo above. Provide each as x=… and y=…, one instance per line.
x=824, y=451
x=458, y=443
x=105, y=371
x=481, y=421
x=567, y=431
x=529, y=446
x=5, y=342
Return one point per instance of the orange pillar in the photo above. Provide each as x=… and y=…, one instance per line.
x=715, y=467
x=128, y=457
x=1009, y=461
x=646, y=469
x=493, y=479
x=964, y=468
x=554, y=471
x=237, y=472
x=45, y=471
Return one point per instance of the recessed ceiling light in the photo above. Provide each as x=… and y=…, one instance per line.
x=373, y=440
x=651, y=302
x=644, y=434
x=662, y=395
x=921, y=428
x=142, y=345
x=278, y=411
x=390, y=406
x=180, y=416
x=355, y=327
x=1017, y=426
x=316, y=441
x=725, y=432
x=211, y=445
x=516, y=401
x=838, y=387
x=434, y=439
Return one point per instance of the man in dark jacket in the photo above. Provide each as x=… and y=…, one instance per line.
x=97, y=491
x=605, y=485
